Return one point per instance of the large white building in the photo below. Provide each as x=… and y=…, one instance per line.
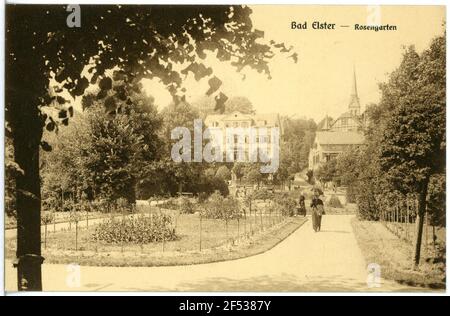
x=238, y=120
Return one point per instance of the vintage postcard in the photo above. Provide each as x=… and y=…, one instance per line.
x=225, y=148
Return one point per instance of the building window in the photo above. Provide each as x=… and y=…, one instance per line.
x=235, y=124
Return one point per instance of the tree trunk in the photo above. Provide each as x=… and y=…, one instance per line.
x=26, y=153
x=419, y=224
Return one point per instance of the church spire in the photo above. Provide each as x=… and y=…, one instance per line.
x=354, y=87
x=354, y=105
x=326, y=127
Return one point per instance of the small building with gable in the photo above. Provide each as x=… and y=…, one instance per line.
x=336, y=136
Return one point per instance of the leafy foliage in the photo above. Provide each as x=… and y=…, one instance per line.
x=298, y=137
x=47, y=218
x=223, y=173
x=327, y=171
x=287, y=204
x=219, y=207
x=404, y=154
x=186, y=206
x=104, y=154
x=436, y=200
x=241, y=104
x=136, y=229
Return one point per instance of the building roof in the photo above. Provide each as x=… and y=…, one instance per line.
x=236, y=115
x=339, y=138
x=347, y=115
x=271, y=119
x=325, y=123
x=214, y=117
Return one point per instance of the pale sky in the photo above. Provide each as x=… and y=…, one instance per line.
x=320, y=82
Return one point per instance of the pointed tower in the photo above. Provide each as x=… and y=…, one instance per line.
x=354, y=106
x=326, y=126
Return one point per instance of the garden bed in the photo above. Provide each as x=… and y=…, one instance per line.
x=219, y=241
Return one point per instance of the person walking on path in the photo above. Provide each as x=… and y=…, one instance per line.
x=301, y=205
x=317, y=210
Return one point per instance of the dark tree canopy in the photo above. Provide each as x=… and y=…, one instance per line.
x=413, y=143
x=137, y=41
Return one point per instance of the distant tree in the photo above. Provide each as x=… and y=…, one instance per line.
x=223, y=173
x=241, y=104
x=281, y=175
x=205, y=105
x=327, y=171
x=253, y=175
x=298, y=136
x=239, y=170
x=104, y=154
x=179, y=115
x=210, y=172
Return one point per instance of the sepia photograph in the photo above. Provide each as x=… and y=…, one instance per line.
x=254, y=148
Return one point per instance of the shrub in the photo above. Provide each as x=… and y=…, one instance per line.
x=170, y=204
x=202, y=197
x=334, y=202
x=223, y=173
x=286, y=203
x=100, y=205
x=67, y=206
x=262, y=194
x=218, y=207
x=51, y=203
x=186, y=206
x=136, y=229
x=121, y=204
x=75, y=216
x=47, y=218
x=350, y=194
x=436, y=199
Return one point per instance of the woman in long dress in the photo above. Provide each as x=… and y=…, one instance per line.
x=317, y=211
x=301, y=209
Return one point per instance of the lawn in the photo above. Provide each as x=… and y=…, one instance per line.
x=218, y=241
x=394, y=256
